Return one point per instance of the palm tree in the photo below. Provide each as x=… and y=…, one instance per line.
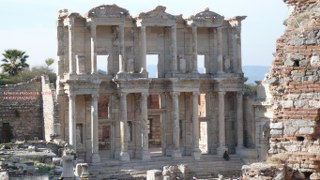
x=14, y=61
x=49, y=62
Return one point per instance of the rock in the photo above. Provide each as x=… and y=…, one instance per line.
x=31, y=148
x=4, y=175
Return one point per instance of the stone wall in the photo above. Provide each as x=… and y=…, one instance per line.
x=51, y=127
x=295, y=89
x=21, y=107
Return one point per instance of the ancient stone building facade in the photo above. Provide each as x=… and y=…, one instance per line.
x=121, y=112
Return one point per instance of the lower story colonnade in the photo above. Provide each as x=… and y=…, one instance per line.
x=139, y=125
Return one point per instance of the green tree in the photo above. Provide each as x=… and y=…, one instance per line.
x=49, y=62
x=14, y=61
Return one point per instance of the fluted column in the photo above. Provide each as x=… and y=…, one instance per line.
x=93, y=29
x=124, y=156
x=72, y=63
x=195, y=48
x=174, y=48
x=240, y=120
x=220, y=50
x=144, y=126
x=143, y=49
x=175, y=125
x=122, y=64
x=196, y=128
x=72, y=120
x=95, y=157
x=222, y=134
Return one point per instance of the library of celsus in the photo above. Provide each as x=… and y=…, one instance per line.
x=111, y=104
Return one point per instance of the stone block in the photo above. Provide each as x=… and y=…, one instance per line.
x=290, y=130
x=4, y=175
x=306, y=130
x=278, y=125
x=154, y=174
x=315, y=61
x=287, y=104
x=275, y=132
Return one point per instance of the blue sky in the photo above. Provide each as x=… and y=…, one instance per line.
x=30, y=25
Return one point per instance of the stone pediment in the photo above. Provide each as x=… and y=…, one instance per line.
x=206, y=16
x=157, y=13
x=108, y=11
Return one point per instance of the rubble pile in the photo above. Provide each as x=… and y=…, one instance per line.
x=32, y=159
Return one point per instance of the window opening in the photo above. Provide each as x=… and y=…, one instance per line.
x=102, y=64
x=201, y=64
x=152, y=65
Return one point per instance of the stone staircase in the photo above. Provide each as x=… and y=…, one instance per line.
x=207, y=167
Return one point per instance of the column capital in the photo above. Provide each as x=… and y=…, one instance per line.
x=195, y=93
x=221, y=92
x=144, y=94
x=71, y=95
x=121, y=94
x=95, y=96
x=174, y=93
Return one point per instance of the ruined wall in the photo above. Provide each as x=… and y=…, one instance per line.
x=21, y=107
x=295, y=89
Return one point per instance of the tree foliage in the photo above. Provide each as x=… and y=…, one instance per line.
x=49, y=62
x=14, y=61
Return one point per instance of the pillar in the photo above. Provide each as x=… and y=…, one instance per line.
x=124, y=156
x=94, y=129
x=238, y=49
x=195, y=127
x=122, y=64
x=220, y=50
x=239, y=121
x=143, y=50
x=72, y=63
x=174, y=48
x=195, y=48
x=222, y=134
x=175, y=125
x=72, y=120
x=145, y=155
x=93, y=48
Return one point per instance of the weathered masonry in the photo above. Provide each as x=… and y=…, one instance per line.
x=110, y=106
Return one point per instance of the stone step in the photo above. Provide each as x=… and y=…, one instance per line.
x=205, y=167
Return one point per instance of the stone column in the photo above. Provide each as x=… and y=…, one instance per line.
x=239, y=121
x=196, y=128
x=122, y=64
x=72, y=120
x=72, y=63
x=143, y=50
x=144, y=127
x=238, y=49
x=195, y=48
x=93, y=29
x=174, y=48
x=175, y=125
x=95, y=157
x=222, y=134
x=220, y=49
x=124, y=156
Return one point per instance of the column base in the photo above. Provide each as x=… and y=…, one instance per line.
x=176, y=154
x=95, y=158
x=145, y=155
x=196, y=154
x=221, y=150
x=124, y=156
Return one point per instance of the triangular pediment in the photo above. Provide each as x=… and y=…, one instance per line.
x=108, y=11
x=157, y=13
